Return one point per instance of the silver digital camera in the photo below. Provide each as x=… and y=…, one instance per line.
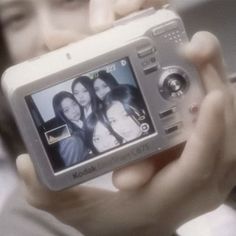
x=107, y=101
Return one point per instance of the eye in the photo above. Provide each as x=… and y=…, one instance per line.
x=96, y=139
x=76, y=92
x=66, y=110
x=112, y=121
x=105, y=86
x=74, y=104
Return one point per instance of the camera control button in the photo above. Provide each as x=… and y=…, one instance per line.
x=173, y=128
x=173, y=83
x=144, y=127
x=194, y=108
x=166, y=113
x=150, y=69
x=146, y=52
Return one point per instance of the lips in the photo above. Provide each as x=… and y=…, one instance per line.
x=77, y=117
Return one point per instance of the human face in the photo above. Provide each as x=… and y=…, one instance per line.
x=71, y=109
x=122, y=123
x=34, y=27
x=103, y=140
x=82, y=95
x=101, y=88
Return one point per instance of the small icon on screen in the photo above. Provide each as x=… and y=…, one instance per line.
x=123, y=62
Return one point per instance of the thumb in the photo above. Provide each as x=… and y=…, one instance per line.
x=200, y=156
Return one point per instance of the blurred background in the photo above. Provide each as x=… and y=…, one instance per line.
x=218, y=17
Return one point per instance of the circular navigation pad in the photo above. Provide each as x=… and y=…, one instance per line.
x=173, y=83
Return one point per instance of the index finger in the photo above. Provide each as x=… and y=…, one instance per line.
x=205, y=53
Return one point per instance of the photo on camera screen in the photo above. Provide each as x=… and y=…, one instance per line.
x=90, y=114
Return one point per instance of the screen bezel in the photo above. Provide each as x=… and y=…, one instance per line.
x=52, y=157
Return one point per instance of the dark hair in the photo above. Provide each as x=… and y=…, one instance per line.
x=57, y=101
x=4, y=53
x=90, y=125
x=130, y=97
x=8, y=129
x=88, y=84
x=107, y=78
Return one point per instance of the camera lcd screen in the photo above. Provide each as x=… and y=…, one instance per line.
x=90, y=114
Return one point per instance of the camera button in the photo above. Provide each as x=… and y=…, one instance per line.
x=173, y=128
x=150, y=69
x=144, y=127
x=194, y=108
x=167, y=113
x=146, y=52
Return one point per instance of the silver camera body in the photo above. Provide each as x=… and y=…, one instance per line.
x=141, y=53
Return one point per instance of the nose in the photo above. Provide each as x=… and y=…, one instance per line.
x=75, y=111
x=80, y=96
x=53, y=37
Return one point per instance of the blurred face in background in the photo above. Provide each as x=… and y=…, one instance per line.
x=34, y=27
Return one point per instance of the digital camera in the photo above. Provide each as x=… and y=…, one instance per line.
x=107, y=101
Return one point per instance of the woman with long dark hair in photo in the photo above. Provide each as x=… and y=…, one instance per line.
x=82, y=89
x=72, y=149
x=103, y=83
x=126, y=112
x=101, y=137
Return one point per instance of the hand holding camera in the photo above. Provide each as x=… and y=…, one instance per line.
x=198, y=181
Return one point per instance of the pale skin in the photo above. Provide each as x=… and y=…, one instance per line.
x=71, y=109
x=101, y=88
x=103, y=140
x=122, y=123
x=82, y=95
x=198, y=179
